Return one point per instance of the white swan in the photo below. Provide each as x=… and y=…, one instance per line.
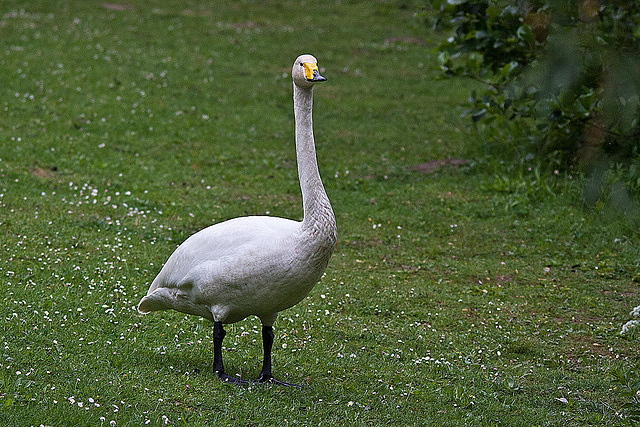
x=255, y=265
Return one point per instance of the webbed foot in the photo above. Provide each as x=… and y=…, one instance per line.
x=232, y=380
x=269, y=379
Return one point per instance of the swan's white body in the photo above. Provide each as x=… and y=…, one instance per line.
x=256, y=265
x=249, y=265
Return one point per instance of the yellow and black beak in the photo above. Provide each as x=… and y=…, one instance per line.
x=311, y=72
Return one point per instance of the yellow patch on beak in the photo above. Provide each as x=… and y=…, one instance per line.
x=309, y=69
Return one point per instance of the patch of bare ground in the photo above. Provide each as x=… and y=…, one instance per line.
x=435, y=165
x=48, y=173
x=408, y=40
x=117, y=6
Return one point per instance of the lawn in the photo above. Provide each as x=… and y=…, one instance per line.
x=458, y=294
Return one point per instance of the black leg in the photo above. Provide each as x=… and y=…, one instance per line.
x=267, y=344
x=218, y=366
x=218, y=336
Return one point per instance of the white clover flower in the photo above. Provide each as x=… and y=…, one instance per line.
x=629, y=325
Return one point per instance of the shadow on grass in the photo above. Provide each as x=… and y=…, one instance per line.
x=188, y=363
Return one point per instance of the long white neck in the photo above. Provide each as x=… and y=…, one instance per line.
x=318, y=215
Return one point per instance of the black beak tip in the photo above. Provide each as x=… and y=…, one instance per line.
x=317, y=77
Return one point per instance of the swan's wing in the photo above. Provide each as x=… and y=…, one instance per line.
x=230, y=239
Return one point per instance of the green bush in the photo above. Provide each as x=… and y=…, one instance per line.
x=561, y=78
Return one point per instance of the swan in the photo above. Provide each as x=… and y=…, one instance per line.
x=255, y=265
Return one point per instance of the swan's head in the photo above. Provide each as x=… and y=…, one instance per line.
x=305, y=71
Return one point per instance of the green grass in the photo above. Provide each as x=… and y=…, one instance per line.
x=457, y=297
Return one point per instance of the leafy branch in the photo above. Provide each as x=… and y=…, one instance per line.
x=567, y=73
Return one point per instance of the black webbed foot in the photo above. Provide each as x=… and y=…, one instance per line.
x=268, y=379
x=231, y=380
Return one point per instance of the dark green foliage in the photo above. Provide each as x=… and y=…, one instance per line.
x=562, y=78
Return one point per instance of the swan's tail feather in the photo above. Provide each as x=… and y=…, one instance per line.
x=151, y=303
x=172, y=298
